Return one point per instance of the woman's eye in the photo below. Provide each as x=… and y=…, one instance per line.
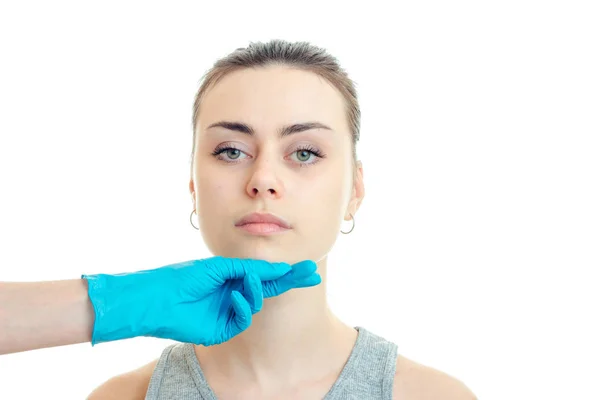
x=228, y=154
x=233, y=153
x=303, y=155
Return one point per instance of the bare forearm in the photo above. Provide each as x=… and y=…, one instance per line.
x=36, y=315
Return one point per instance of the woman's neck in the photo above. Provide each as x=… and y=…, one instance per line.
x=295, y=337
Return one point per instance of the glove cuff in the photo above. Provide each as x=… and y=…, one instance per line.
x=119, y=303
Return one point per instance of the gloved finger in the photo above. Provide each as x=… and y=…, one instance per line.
x=300, y=270
x=303, y=274
x=282, y=285
x=267, y=271
x=236, y=268
x=312, y=280
x=252, y=291
x=242, y=315
x=304, y=269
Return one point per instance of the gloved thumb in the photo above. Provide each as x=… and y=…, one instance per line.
x=247, y=304
x=242, y=317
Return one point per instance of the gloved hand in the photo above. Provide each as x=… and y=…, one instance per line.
x=206, y=301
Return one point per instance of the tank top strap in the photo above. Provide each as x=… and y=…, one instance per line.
x=369, y=371
x=177, y=375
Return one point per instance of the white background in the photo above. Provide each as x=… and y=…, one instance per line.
x=478, y=243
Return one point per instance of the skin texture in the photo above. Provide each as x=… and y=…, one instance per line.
x=296, y=347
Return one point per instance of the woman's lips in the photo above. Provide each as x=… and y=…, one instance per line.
x=262, y=228
x=263, y=224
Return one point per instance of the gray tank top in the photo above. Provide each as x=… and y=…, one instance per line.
x=368, y=373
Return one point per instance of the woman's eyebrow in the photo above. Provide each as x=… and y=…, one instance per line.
x=283, y=131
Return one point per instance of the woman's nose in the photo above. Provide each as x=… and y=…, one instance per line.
x=265, y=182
x=255, y=192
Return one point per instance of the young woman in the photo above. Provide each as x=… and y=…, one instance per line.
x=274, y=173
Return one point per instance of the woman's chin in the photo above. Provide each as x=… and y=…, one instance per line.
x=267, y=254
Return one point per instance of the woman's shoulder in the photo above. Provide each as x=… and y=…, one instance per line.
x=412, y=381
x=130, y=385
x=415, y=381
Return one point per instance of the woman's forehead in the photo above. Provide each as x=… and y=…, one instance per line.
x=279, y=95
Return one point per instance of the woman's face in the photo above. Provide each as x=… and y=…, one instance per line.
x=305, y=177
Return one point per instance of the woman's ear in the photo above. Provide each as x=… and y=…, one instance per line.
x=193, y=192
x=358, y=191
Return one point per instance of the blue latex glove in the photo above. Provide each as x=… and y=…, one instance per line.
x=206, y=301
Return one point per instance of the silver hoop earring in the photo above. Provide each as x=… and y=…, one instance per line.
x=193, y=211
x=345, y=233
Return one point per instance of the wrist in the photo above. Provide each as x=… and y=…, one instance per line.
x=120, y=304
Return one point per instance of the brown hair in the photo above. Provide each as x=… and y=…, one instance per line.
x=301, y=55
